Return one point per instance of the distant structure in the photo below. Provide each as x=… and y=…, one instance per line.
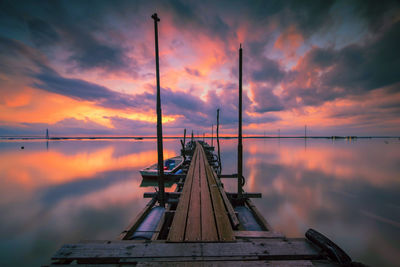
x=47, y=134
x=305, y=131
x=279, y=133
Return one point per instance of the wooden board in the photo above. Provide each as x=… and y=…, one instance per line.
x=193, y=225
x=230, y=263
x=258, y=234
x=178, y=227
x=224, y=228
x=208, y=227
x=264, y=249
x=201, y=214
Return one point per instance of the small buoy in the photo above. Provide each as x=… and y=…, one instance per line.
x=22, y=147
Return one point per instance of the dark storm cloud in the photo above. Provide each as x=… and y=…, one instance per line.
x=51, y=81
x=269, y=71
x=73, y=26
x=266, y=100
x=367, y=67
x=353, y=70
x=42, y=33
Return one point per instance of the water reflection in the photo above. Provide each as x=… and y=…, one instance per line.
x=67, y=191
x=349, y=191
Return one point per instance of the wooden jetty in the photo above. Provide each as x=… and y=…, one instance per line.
x=205, y=227
x=200, y=224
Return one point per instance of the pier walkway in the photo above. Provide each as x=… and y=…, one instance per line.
x=204, y=231
x=202, y=214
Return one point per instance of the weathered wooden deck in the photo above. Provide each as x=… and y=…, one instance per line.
x=201, y=214
x=204, y=232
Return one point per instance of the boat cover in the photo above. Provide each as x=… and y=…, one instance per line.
x=147, y=228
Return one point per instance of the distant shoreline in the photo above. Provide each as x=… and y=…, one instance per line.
x=180, y=137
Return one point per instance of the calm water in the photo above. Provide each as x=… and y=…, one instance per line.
x=67, y=191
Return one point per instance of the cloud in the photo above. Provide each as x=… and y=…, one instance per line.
x=42, y=33
x=51, y=81
x=193, y=72
x=269, y=71
x=266, y=100
x=296, y=54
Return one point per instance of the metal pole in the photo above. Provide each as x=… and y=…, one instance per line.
x=240, y=144
x=161, y=196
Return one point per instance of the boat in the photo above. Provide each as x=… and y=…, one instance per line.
x=171, y=166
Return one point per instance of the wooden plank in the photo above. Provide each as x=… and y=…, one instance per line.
x=224, y=229
x=245, y=195
x=178, y=226
x=231, y=212
x=193, y=225
x=258, y=234
x=228, y=206
x=261, y=220
x=234, y=175
x=229, y=262
x=266, y=249
x=208, y=227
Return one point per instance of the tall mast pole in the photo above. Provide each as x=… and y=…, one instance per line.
x=160, y=168
x=212, y=135
x=219, y=150
x=240, y=144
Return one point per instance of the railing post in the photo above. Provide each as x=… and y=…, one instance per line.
x=219, y=153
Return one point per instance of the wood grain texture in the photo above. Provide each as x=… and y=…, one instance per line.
x=178, y=227
x=266, y=249
x=208, y=226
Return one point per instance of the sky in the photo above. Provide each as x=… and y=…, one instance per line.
x=83, y=68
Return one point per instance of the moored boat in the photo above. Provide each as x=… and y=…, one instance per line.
x=171, y=166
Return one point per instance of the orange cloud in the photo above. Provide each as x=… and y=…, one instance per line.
x=288, y=42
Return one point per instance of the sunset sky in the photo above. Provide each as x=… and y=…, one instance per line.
x=88, y=67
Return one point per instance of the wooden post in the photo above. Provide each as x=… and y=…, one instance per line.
x=212, y=135
x=192, y=136
x=184, y=136
x=219, y=153
x=161, y=194
x=183, y=143
x=240, y=144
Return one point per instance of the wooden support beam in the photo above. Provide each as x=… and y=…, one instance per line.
x=261, y=220
x=266, y=249
x=234, y=175
x=244, y=195
x=167, y=194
